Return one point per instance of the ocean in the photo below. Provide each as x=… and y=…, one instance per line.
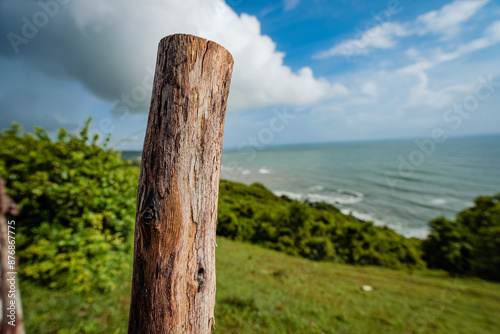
x=402, y=184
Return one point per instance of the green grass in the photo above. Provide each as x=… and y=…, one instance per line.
x=263, y=291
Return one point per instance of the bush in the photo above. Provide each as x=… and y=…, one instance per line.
x=78, y=207
x=317, y=231
x=470, y=245
x=317, y=248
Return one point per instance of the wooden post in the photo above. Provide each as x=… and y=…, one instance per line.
x=8, y=207
x=173, y=285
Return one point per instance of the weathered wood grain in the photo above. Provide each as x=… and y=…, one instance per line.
x=8, y=207
x=173, y=288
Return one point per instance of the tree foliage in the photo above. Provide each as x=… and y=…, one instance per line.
x=317, y=231
x=469, y=245
x=78, y=207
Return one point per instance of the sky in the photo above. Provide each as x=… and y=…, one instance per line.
x=305, y=71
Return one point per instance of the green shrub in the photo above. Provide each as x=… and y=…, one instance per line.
x=231, y=227
x=78, y=207
x=470, y=245
x=317, y=231
x=317, y=248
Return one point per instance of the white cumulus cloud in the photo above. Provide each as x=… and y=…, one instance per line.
x=379, y=37
x=445, y=21
x=110, y=47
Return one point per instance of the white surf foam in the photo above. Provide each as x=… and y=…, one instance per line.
x=289, y=194
x=334, y=199
x=264, y=170
x=438, y=201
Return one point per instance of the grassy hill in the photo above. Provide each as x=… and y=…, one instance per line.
x=75, y=235
x=264, y=291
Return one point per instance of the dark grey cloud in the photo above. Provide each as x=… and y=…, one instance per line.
x=56, y=45
x=110, y=47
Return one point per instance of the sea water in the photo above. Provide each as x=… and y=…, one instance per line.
x=402, y=184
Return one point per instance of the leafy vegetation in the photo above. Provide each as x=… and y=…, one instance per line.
x=469, y=245
x=78, y=203
x=317, y=231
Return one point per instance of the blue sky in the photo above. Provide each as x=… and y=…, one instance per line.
x=340, y=70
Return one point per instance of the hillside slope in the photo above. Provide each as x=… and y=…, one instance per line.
x=264, y=291
x=316, y=231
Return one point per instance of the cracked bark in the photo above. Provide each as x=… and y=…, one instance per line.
x=8, y=207
x=173, y=284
